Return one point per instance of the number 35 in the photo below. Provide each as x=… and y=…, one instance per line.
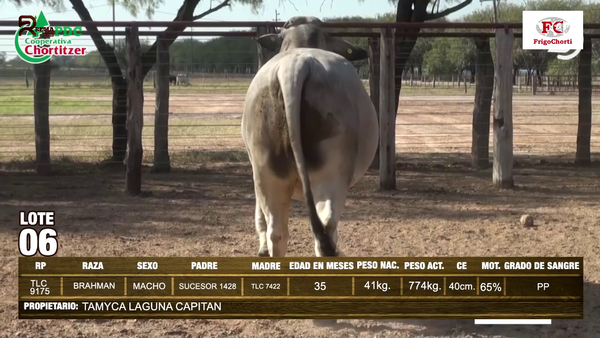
x=320, y=286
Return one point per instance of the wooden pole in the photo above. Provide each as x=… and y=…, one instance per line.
x=41, y=113
x=135, y=111
x=584, y=125
x=503, y=126
x=162, y=161
x=387, y=113
x=374, y=79
x=480, y=142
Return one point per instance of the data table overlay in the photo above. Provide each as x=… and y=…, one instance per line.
x=301, y=287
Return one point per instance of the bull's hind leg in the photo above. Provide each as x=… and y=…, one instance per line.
x=330, y=202
x=261, y=230
x=330, y=185
x=273, y=196
x=330, y=199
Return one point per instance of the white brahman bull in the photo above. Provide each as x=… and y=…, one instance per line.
x=310, y=130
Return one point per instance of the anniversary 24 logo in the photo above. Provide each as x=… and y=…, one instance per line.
x=36, y=41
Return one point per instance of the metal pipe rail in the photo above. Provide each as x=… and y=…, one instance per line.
x=250, y=34
x=221, y=24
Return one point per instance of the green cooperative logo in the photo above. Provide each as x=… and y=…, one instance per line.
x=36, y=41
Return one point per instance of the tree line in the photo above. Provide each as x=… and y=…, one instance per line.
x=430, y=56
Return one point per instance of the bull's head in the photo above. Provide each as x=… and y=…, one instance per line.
x=301, y=20
x=305, y=32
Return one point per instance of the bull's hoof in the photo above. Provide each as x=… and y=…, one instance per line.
x=263, y=253
x=324, y=322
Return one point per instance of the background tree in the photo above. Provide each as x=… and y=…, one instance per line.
x=449, y=56
x=415, y=60
x=109, y=57
x=120, y=50
x=437, y=61
x=414, y=11
x=219, y=55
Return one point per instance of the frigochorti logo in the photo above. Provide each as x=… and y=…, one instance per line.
x=554, y=31
x=36, y=41
x=553, y=27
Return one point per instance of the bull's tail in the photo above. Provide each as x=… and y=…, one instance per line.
x=291, y=78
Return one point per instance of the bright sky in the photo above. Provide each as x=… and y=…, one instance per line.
x=102, y=10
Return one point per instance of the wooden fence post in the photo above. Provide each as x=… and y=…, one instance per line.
x=503, y=125
x=162, y=161
x=387, y=113
x=584, y=125
x=135, y=112
x=480, y=142
x=41, y=113
x=374, y=78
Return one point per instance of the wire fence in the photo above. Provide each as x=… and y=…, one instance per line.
x=210, y=78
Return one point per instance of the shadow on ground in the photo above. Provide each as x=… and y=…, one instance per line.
x=438, y=209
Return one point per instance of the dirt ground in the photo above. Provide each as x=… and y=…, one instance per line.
x=208, y=210
x=441, y=208
x=544, y=126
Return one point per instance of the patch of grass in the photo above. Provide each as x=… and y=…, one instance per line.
x=89, y=139
x=22, y=164
x=93, y=95
x=22, y=105
x=196, y=157
x=63, y=164
x=94, y=128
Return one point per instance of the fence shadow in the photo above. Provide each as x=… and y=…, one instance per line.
x=193, y=161
x=422, y=189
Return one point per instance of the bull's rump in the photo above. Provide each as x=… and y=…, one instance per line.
x=333, y=105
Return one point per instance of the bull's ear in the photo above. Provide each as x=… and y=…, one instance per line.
x=346, y=49
x=271, y=41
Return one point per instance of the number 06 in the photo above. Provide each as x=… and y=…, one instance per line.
x=30, y=243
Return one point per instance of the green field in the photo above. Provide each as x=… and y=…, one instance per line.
x=66, y=93
x=205, y=124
